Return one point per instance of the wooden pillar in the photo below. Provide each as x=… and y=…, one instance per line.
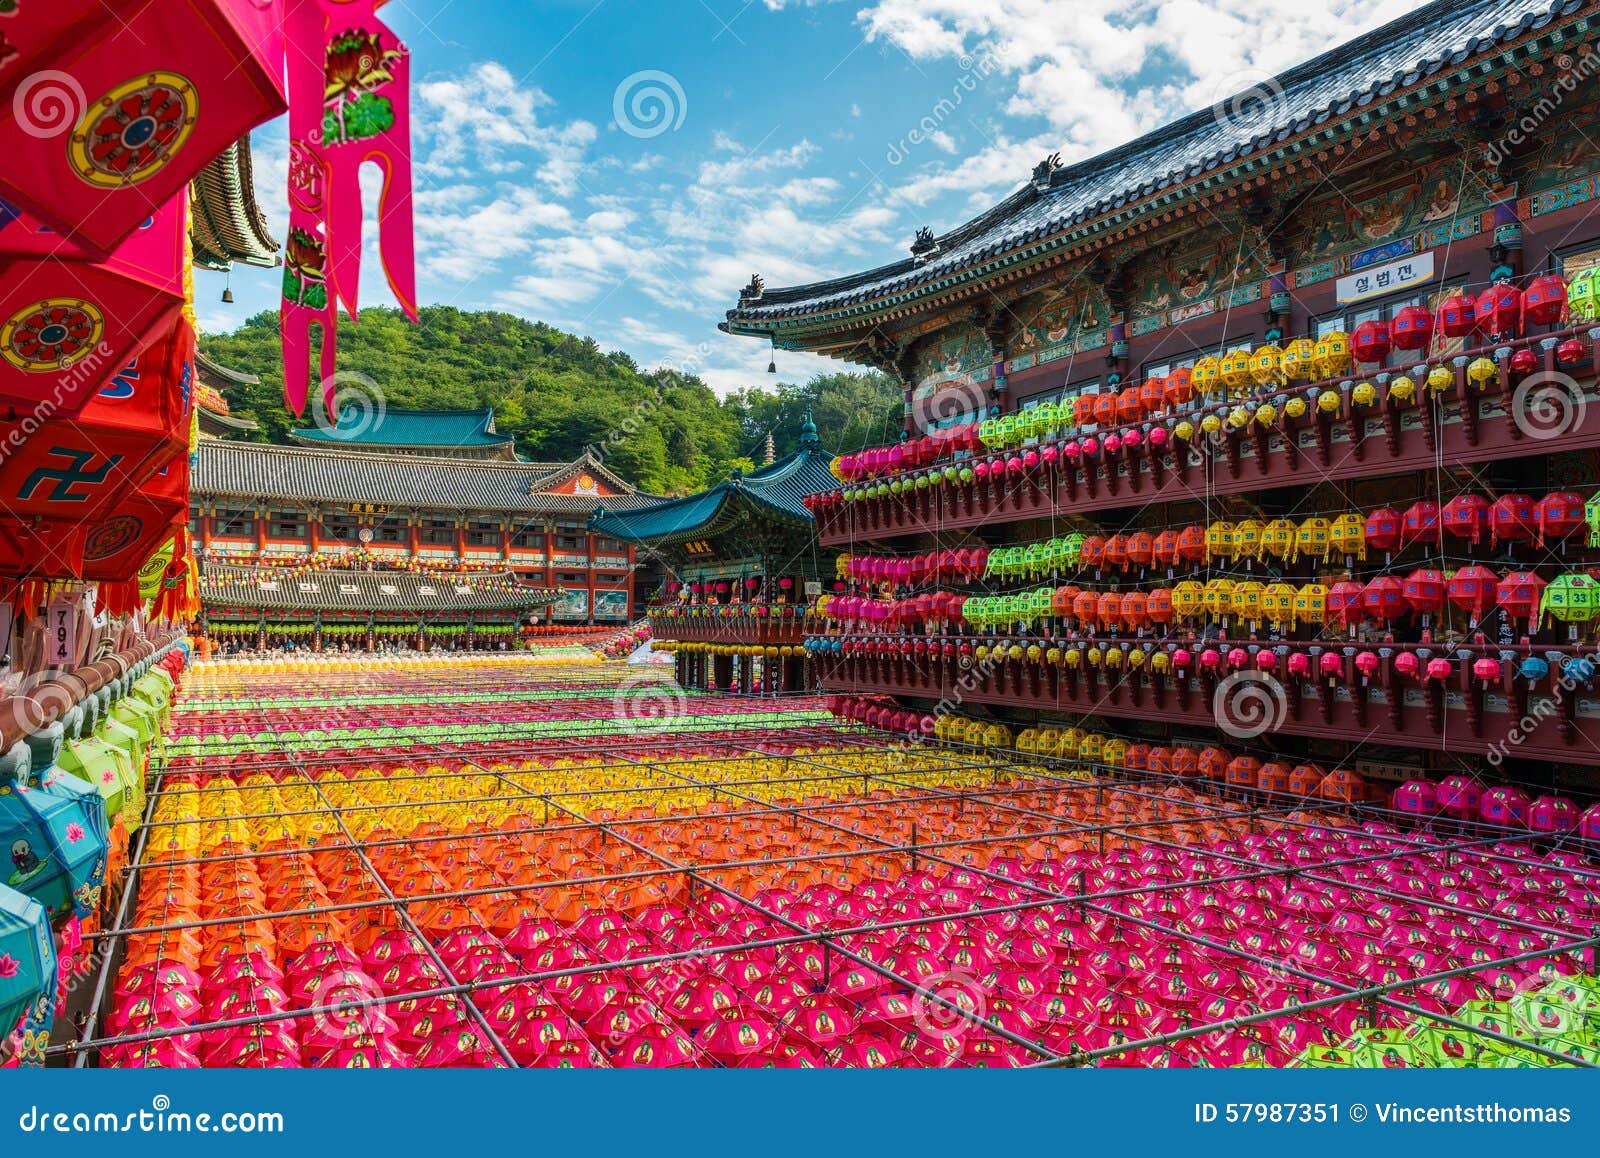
x=550, y=560
x=505, y=546
x=261, y=532
x=414, y=529
x=314, y=526
x=461, y=540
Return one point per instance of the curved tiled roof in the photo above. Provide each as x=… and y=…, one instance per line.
x=307, y=474
x=272, y=589
x=1329, y=87
x=425, y=429
x=774, y=491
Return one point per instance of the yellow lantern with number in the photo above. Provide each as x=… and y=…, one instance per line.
x=1071, y=744
x=1277, y=538
x=1247, y=598
x=1277, y=604
x=1348, y=533
x=1092, y=747
x=1114, y=752
x=1331, y=355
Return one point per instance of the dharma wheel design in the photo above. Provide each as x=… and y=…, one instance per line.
x=134, y=130
x=51, y=334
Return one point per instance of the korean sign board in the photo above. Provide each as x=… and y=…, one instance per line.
x=1384, y=280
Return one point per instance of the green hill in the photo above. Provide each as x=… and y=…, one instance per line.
x=557, y=393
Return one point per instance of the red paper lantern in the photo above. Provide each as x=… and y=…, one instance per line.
x=1136, y=609
x=1519, y=593
x=1116, y=551
x=1384, y=599
x=1424, y=590
x=1511, y=519
x=1165, y=548
x=1383, y=529
x=1159, y=606
x=1412, y=328
x=1371, y=341
x=1142, y=546
x=1420, y=523
x=1558, y=515
x=1498, y=308
x=1458, y=316
x=1467, y=517
x=1544, y=302
x=1345, y=602
x=1152, y=394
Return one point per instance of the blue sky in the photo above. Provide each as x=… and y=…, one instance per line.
x=620, y=168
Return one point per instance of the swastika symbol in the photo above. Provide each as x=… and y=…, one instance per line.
x=66, y=478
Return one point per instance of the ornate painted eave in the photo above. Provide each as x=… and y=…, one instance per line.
x=1328, y=105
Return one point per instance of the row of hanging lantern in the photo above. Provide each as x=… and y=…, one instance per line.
x=1499, y=313
x=1474, y=590
x=1469, y=518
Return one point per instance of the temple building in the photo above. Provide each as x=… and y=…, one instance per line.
x=739, y=559
x=1292, y=393
x=403, y=493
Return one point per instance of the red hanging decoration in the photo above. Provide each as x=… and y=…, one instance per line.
x=1466, y=517
x=1511, y=519
x=1412, y=328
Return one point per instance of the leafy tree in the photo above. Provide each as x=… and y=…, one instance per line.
x=556, y=393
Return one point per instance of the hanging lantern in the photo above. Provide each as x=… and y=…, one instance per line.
x=1152, y=395
x=1458, y=316
x=1345, y=605
x=1583, y=295
x=1313, y=539
x=1371, y=342
x=1141, y=548
x=1188, y=599
x=1383, y=528
x=1591, y=516
x=1219, y=597
x=1424, y=590
x=1266, y=365
x=1572, y=352
x=1178, y=389
x=1572, y=598
x=1332, y=354
x=1544, y=301
x=1105, y=409
x=1520, y=594
x=1348, y=533
x=1277, y=538
x=1165, y=548
x=1412, y=328
x=1135, y=609
x=1234, y=372
x=1472, y=588
x=1497, y=310
x=1311, y=603
x=1130, y=405
x=1465, y=517
x=1247, y=542
x=1420, y=524
x=1299, y=360
x=1481, y=371
x=1219, y=540
x=1247, y=598
x=1558, y=516
x=1207, y=375
x=1093, y=552
x=1192, y=544
x=1159, y=606
x=1511, y=519
x=1384, y=599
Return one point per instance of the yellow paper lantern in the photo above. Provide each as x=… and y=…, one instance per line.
x=1348, y=533
x=1328, y=401
x=1440, y=379
x=1266, y=365
x=1219, y=540
x=1299, y=359
x=1311, y=538
x=1219, y=596
x=1311, y=603
x=1188, y=597
x=1482, y=371
x=1364, y=394
x=1277, y=604
x=1295, y=408
x=1206, y=376
x=1331, y=355
x=1277, y=538
x=1247, y=539
x=1235, y=370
